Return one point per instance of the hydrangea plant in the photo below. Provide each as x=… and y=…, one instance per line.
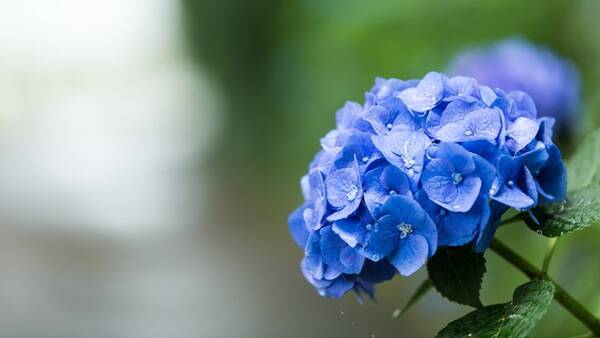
x=516, y=64
x=421, y=174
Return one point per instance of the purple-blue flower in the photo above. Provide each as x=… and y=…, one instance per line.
x=515, y=64
x=421, y=164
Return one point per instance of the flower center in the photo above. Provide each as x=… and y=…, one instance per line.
x=351, y=194
x=405, y=229
x=457, y=178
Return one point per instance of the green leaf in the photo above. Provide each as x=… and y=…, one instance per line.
x=421, y=291
x=579, y=211
x=583, y=168
x=456, y=273
x=514, y=319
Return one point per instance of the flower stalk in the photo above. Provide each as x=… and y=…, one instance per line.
x=561, y=296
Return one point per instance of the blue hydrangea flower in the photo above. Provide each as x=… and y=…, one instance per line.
x=515, y=64
x=421, y=164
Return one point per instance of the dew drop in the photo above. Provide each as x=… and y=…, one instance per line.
x=389, y=126
x=539, y=231
x=443, y=212
x=432, y=151
x=369, y=227
x=352, y=193
x=393, y=192
x=468, y=133
x=510, y=183
x=365, y=159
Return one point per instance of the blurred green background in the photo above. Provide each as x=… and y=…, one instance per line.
x=152, y=150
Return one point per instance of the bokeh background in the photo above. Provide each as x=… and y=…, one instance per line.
x=150, y=151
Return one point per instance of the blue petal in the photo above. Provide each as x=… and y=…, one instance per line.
x=407, y=210
x=383, y=239
x=480, y=124
x=343, y=187
x=382, y=182
x=348, y=115
x=487, y=95
x=524, y=103
x=353, y=230
x=297, y=225
x=377, y=272
x=468, y=190
x=317, y=193
x=488, y=229
x=380, y=119
x=535, y=158
x=331, y=273
x=312, y=264
x=457, y=110
x=552, y=178
x=514, y=197
x=411, y=255
x=462, y=88
x=545, y=133
x=405, y=150
x=338, y=255
x=457, y=229
x=452, y=162
x=426, y=95
x=357, y=146
x=384, y=88
x=305, y=187
x=520, y=133
x=338, y=288
x=486, y=171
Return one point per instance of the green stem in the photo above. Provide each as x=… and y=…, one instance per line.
x=549, y=253
x=561, y=296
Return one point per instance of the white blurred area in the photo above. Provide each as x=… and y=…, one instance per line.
x=98, y=115
x=103, y=127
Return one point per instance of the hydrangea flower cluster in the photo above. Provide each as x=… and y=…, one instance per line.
x=421, y=164
x=515, y=64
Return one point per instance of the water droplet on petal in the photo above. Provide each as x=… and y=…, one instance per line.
x=443, y=212
x=352, y=193
x=510, y=183
x=468, y=133
x=369, y=227
x=393, y=192
x=365, y=159
x=389, y=126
